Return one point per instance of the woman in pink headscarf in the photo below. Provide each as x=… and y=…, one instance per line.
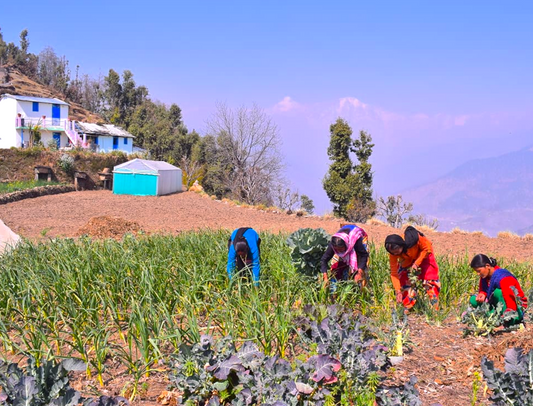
x=349, y=254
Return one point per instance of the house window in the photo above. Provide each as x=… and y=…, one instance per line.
x=115, y=142
x=35, y=106
x=125, y=141
x=96, y=140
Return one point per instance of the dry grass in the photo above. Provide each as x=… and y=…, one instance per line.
x=527, y=237
x=508, y=234
x=457, y=230
x=375, y=222
x=477, y=233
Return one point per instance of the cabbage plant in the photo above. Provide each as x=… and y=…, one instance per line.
x=307, y=247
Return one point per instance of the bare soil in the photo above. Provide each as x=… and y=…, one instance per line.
x=442, y=359
x=63, y=216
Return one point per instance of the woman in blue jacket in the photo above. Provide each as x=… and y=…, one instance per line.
x=243, y=252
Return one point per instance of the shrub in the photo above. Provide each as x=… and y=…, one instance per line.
x=66, y=163
x=508, y=234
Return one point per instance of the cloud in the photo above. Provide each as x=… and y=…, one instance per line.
x=285, y=105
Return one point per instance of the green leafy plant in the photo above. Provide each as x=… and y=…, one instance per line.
x=307, y=247
x=481, y=320
x=515, y=385
x=39, y=385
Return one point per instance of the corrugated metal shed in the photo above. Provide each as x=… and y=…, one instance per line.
x=36, y=99
x=103, y=129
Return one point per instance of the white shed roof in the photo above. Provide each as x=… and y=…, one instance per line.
x=36, y=99
x=145, y=166
x=103, y=130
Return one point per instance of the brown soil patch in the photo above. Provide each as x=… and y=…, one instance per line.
x=63, y=215
x=109, y=227
x=445, y=363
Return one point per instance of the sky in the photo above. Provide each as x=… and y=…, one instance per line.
x=435, y=83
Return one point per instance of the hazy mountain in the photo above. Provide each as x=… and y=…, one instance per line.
x=491, y=195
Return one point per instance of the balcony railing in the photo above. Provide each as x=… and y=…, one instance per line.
x=44, y=123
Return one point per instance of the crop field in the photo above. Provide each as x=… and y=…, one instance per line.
x=132, y=305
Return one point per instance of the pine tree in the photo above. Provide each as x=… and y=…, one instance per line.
x=349, y=186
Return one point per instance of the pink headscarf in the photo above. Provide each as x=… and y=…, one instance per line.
x=350, y=256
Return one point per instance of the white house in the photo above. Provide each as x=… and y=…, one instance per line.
x=105, y=137
x=18, y=114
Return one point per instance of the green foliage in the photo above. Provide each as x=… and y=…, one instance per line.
x=39, y=384
x=482, y=320
x=307, y=247
x=349, y=186
x=9, y=187
x=515, y=385
x=307, y=204
x=66, y=163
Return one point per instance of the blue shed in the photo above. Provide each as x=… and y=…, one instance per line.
x=142, y=177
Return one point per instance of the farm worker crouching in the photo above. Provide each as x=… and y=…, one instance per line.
x=414, y=254
x=243, y=252
x=348, y=248
x=498, y=285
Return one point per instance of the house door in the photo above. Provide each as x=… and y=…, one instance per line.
x=56, y=114
x=115, y=142
x=57, y=139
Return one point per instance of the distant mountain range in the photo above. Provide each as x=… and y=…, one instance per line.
x=490, y=195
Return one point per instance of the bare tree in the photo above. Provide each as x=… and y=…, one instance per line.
x=249, y=145
x=394, y=210
x=285, y=199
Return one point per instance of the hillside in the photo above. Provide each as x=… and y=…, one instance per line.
x=190, y=211
x=489, y=195
x=14, y=82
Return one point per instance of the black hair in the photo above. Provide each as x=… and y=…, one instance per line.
x=393, y=242
x=241, y=246
x=480, y=260
x=338, y=242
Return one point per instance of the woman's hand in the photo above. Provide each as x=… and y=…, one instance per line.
x=399, y=297
x=480, y=297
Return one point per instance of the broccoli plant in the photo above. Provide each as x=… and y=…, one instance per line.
x=515, y=385
x=46, y=383
x=307, y=247
x=406, y=395
x=482, y=320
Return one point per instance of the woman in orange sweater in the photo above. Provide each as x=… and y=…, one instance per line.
x=412, y=254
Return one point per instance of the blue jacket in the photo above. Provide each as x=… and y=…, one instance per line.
x=253, y=241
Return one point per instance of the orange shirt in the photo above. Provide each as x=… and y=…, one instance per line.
x=413, y=256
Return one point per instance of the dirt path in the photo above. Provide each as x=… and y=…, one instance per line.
x=445, y=363
x=63, y=215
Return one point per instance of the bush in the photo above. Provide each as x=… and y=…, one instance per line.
x=66, y=163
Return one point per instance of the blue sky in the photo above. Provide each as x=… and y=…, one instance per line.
x=435, y=83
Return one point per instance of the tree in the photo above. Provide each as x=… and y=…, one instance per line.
x=362, y=206
x=423, y=220
x=285, y=198
x=349, y=186
x=307, y=204
x=248, y=142
x=394, y=210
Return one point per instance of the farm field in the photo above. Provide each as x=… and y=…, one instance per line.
x=123, y=306
x=63, y=215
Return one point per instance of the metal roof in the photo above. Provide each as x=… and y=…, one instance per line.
x=36, y=99
x=103, y=130
x=144, y=166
